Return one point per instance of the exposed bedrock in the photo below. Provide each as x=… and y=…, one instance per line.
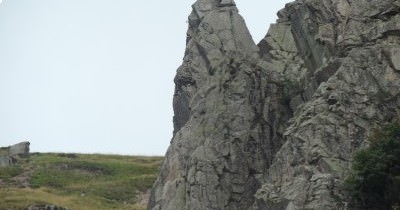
x=275, y=125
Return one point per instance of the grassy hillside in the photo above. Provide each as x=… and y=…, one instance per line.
x=78, y=181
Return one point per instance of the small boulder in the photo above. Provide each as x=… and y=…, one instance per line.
x=20, y=149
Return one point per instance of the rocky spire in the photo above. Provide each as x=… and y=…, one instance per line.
x=215, y=29
x=218, y=153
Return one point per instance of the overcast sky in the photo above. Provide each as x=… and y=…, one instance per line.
x=96, y=76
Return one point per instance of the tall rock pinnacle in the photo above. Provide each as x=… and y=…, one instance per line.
x=219, y=150
x=215, y=29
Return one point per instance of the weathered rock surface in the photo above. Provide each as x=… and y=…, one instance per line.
x=351, y=87
x=274, y=126
x=9, y=155
x=21, y=149
x=222, y=142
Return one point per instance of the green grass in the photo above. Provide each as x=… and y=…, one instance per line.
x=10, y=172
x=92, y=181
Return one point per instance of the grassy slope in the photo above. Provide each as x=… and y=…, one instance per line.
x=78, y=182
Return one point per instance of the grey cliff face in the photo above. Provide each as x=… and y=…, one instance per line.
x=275, y=125
x=223, y=101
x=350, y=86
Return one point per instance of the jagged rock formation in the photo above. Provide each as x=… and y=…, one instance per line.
x=351, y=86
x=274, y=126
x=220, y=147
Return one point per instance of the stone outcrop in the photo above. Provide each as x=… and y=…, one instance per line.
x=9, y=155
x=275, y=125
x=222, y=139
x=350, y=87
x=21, y=149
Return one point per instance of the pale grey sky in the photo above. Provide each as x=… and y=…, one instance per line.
x=96, y=76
